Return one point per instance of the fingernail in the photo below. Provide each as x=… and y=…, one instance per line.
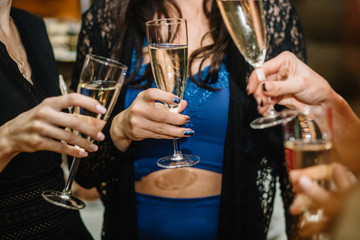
x=267, y=87
x=101, y=109
x=83, y=153
x=261, y=103
x=100, y=136
x=305, y=182
x=189, y=132
x=187, y=120
x=176, y=100
x=93, y=147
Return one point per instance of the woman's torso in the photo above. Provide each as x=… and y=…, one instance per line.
x=24, y=214
x=188, y=195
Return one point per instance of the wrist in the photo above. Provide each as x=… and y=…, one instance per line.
x=117, y=134
x=7, y=151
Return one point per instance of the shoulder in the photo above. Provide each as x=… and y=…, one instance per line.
x=98, y=23
x=27, y=18
x=99, y=16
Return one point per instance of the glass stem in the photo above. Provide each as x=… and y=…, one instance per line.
x=261, y=76
x=73, y=169
x=177, y=149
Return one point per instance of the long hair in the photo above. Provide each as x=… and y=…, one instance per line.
x=140, y=11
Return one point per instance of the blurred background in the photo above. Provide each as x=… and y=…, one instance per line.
x=332, y=35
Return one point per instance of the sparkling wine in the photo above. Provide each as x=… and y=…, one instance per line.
x=105, y=92
x=303, y=154
x=244, y=20
x=169, y=65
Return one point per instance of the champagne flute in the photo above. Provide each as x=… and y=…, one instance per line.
x=244, y=20
x=307, y=143
x=101, y=78
x=168, y=50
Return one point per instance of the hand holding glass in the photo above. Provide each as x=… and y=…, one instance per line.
x=244, y=20
x=307, y=143
x=101, y=78
x=168, y=50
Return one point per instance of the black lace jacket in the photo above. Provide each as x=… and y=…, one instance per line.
x=253, y=159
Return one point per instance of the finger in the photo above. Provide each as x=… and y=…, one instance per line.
x=280, y=64
x=341, y=177
x=62, y=148
x=156, y=128
x=52, y=132
x=154, y=94
x=317, y=194
x=278, y=88
x=274, y=69
x=183, y=105
x=75, y=122
x=75, y=99
x=146, y=134
x=253, y=83
x=297, y=206
x=159, y=114
x=318, y=172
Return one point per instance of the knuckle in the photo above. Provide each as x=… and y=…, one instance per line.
x=135, y=110
x=71, y=97
x=133, y=122
x=43, y=112
x=37, y=127
x=68, y=137
x=47, y=101
x=37, y=143
x=160, y=128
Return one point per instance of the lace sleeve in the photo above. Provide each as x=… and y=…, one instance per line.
x=96, y=37
x=284, y=29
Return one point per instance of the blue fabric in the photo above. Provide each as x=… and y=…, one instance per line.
x=208, y=120
x=184, y=218
x=177, y=219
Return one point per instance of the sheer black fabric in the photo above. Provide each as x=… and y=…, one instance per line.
x=253, y=159
x=24, y=214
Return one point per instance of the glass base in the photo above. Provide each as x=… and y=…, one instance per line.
x=63, y=199
x=185, y=160
x=274, y=119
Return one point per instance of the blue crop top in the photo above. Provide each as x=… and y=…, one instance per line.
x=164, y=218
x=208, y=111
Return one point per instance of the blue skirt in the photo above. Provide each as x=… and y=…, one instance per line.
x=177, y=218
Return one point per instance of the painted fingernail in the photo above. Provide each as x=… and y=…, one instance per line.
x=176, y=100
x=101, y=109
x=100, y=136
x=264, y=87
x=187, y=120
x=305, y=182
x=261, y=103
x=189, y=133
x=93, y=147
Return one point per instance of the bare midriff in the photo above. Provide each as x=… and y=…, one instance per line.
x=180, y=183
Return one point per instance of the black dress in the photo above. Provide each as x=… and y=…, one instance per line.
x=253, y=159
x=24, y=214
